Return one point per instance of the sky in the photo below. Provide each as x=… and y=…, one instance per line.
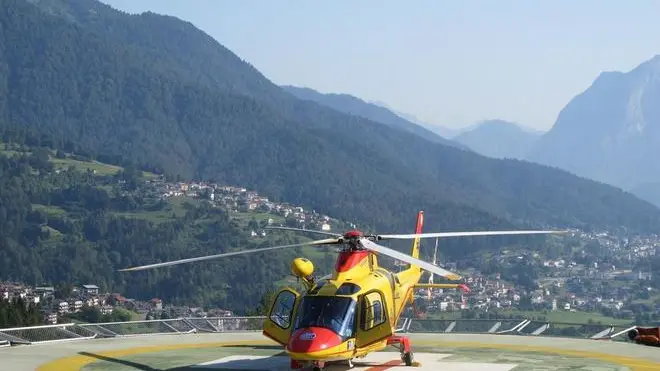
x=447, y=63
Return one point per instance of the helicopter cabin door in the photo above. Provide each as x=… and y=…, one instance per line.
x=373, y=324
x=279, y=322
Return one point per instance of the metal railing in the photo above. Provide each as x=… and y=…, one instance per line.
x=180, y=326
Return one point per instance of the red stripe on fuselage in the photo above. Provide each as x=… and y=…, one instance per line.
x=349, y=259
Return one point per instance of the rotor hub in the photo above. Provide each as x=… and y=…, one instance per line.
x=353, y=235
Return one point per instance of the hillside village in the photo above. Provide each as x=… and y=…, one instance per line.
x=591, y=285
x=239, y=199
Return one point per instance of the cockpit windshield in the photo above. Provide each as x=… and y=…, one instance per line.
x=331, y=312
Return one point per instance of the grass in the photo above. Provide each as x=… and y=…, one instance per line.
x=152, y=216
x=54, y=233
x=99, y=168
x=95, y=166
x=49, y=210
x=176, y=205
x=653, y=299
x=244, y=217
x=8, y=149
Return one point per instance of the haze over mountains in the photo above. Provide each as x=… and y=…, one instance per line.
x=499, y=139
x=156, y=91
x=611, y=132
x=355, y=106
x=492, y=138
x=442, y=131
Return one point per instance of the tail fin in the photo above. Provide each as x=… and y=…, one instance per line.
x=418, y=230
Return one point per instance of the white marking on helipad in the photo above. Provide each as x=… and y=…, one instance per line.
x=265, y=363
x=428, y=362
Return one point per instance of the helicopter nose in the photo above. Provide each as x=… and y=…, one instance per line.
x=313, y=339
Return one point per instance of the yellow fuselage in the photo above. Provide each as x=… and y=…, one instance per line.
x=347, y=314
x=362, y=302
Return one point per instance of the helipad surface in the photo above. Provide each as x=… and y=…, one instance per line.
x=390, y=361
x=251, y=351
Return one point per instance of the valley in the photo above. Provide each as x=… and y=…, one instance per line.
x=593, y=275
x=128, y=139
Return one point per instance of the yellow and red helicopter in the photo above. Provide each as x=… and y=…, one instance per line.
x=354, y=310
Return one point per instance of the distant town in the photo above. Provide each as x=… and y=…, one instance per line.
x=588, y=282
x=239, y=199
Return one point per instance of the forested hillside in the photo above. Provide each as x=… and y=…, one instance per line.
x=62, y=226
x=155, y=91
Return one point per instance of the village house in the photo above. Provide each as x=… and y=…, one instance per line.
x=90, y=290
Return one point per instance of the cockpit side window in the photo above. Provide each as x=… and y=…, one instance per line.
x=372, y=312
x=283, y=309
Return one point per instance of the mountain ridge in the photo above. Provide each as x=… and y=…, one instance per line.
x=169, y=100
x=443, y=131
x=353, y=105
x=610, y=132
x=499, y=139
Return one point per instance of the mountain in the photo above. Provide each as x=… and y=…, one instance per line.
x=499, y=139
x=355, y=106
x=442, y=131
x=155, y=91
x=611, y=131
x=648, y=191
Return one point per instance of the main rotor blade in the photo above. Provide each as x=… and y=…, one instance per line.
x=305, y=230
x=463, y=234
x=329, y=241
x=409, y=259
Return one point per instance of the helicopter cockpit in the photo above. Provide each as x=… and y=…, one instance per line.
x=335, y=313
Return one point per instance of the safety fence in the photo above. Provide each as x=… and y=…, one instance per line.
x=178, y=326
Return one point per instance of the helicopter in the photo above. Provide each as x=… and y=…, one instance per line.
x=354, y=310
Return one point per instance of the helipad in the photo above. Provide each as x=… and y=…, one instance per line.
x=251, y=351
x=373, y=362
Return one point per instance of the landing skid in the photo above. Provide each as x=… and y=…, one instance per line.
x=403, y=344
x=317, y=365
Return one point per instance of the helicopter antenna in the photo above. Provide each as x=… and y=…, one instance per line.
x=435, y=262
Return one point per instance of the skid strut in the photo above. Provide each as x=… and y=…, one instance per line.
x=297, y=365
x=403, y=343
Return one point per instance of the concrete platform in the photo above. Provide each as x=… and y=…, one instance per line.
x=466, y=352
x=390, y=361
